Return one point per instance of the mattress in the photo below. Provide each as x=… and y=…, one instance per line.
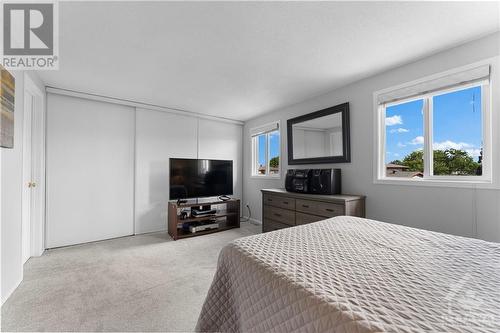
x=349, y=274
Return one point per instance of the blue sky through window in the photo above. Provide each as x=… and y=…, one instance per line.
x=457, y=124
x=274, y=146
x=457, y=121
x=262, y=150
x=404, y=129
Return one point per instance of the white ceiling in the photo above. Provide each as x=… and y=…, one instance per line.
x=241, y=59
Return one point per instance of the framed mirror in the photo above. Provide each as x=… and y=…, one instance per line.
x=320, y=137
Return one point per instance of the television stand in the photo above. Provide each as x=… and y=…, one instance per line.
x=227, y=216
x=203, y=207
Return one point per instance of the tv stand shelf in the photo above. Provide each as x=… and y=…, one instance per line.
x=228, y=210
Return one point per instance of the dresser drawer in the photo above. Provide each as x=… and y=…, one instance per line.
x=270, y=225
x=320, y=208
x=330, y=209
x=280, y=215
x=301, y=218
x=283, y=209
x=280, y=202
x=306, y=206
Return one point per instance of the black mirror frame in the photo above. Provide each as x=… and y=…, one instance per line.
x=346, y=136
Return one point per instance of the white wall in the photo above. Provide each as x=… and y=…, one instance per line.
x=90, y=170
x=462, y=211
x=161, y=136
x=223, y=141
x=309, y=143
x=11, y=196
x=314, y=143
x=334, y=139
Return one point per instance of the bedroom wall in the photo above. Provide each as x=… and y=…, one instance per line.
x=223, y=141
x=461, y=211
x=161, y=136
x=11, y=194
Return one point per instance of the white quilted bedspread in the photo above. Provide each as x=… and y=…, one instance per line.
x=349, y=274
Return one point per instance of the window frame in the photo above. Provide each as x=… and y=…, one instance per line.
x=485, y=180
x=254, y=146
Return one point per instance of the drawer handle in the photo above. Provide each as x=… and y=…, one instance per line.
x=285, y=202
x=330, y=210
x=276, y=214
x=305, y=206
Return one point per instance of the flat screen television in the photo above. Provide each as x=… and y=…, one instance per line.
x=195, y=178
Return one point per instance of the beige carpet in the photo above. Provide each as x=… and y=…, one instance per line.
x=139, y=283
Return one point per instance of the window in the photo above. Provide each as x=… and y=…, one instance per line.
x=457, y=133
x=266, y=150
x=404, y=139
x=440, y=135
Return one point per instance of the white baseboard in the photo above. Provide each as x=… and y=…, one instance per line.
x=9, y=292
x=251, y=220
x=254, y=221
x=152, y=231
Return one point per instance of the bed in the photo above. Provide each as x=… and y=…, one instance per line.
x=349, y=274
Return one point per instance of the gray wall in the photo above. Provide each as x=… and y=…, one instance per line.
x=461, y=211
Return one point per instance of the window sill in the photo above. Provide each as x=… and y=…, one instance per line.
x=481, y=184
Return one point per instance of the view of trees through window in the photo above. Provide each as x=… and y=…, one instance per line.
x=456, y=132
x=405, y=139
x=261, y=154
x=268, y=153
x=274, y=153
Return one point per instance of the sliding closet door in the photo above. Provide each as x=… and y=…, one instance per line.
x=159, y=137
x=90, y=170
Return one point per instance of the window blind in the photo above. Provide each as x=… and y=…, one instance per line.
x=476, y=74
x=265, y=128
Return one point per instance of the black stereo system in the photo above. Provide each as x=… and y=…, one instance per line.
x=314, y=181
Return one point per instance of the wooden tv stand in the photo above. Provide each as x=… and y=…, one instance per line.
x=228, y=212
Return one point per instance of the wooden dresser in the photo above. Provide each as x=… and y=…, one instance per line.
x=282, y=209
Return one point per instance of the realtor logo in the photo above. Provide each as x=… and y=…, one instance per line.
x=29, y=38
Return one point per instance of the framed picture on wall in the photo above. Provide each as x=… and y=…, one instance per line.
x=7, y=93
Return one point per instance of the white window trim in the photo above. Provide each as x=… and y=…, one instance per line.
x=254, y=133
x=486, y=180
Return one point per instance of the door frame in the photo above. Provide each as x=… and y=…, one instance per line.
x=27, y=169
x=36, y=208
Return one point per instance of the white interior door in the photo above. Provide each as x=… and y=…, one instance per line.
x=90, y=170
x=33, y=194
x=27, y=176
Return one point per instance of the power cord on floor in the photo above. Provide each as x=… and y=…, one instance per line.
x=246, y=219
